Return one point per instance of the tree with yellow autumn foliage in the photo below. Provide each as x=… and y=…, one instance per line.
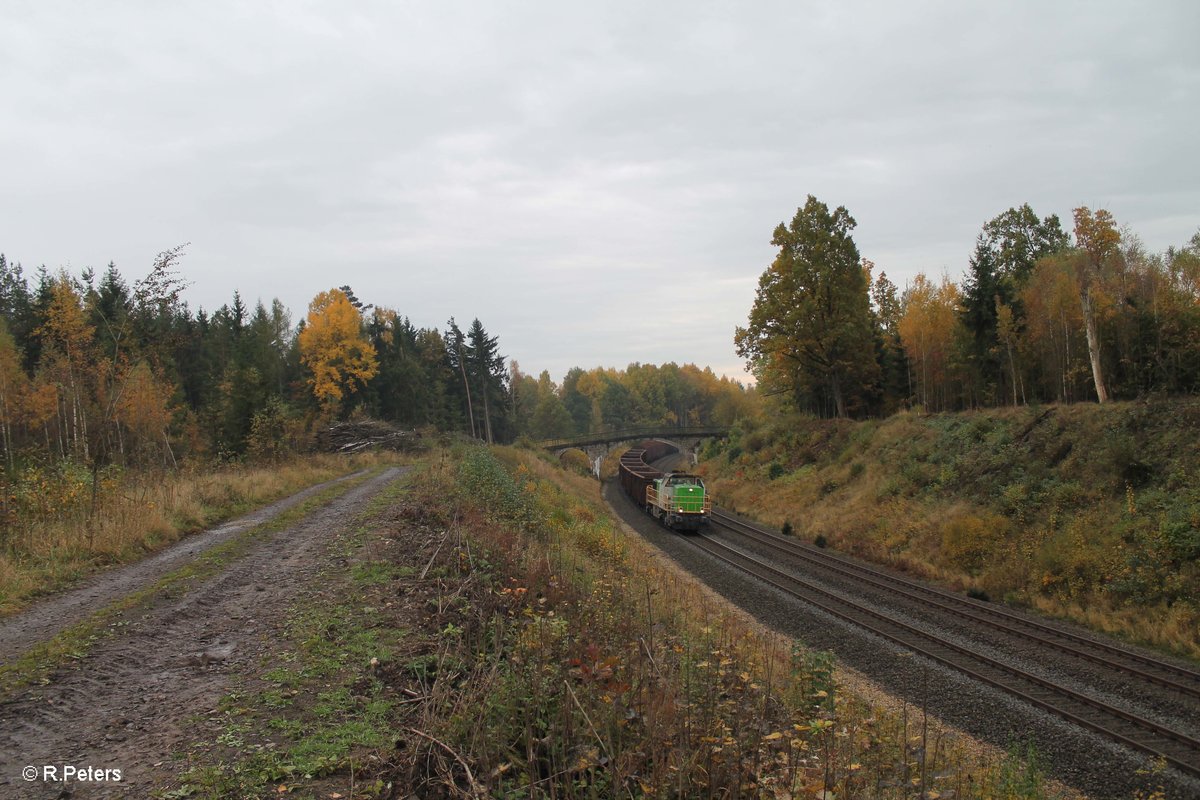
x=927, y=325
x=335, y=350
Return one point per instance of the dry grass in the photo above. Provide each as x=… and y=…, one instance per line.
x=596, y=671
x=1083, y=512
x=51, y=537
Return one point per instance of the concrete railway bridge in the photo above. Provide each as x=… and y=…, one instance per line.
x=599, y=444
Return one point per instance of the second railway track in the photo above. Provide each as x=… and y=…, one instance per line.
x=1178, y=679
x=1137, y=731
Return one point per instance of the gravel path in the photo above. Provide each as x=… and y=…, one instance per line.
x=1075, y=756
x=129, y=704
x=45, y=619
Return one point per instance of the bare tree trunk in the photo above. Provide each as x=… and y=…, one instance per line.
x=8, y=456
x=1066, y=357
x=839, y=402
x=908, y=375
x=170, y=452
x=62, y=425
x=1093, y=342
x=925, y=381
x=487, y=415
x=467, y=386
x=1012, y=369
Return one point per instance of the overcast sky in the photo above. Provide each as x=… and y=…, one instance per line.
x=597, y=182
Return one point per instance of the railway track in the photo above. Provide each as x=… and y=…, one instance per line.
x=1139, y=733
x=1184, y=681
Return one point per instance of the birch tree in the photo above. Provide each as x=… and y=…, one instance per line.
x=1098, y=242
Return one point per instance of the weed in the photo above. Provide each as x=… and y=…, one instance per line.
x=1020, y=775
x=373, y=573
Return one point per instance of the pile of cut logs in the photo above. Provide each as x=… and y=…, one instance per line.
x=350, y=437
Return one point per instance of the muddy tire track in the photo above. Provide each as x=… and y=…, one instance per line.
x=49, y=617
x=131, y=702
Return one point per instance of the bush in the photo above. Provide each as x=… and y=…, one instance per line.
x=775, y=471
x=786, y=530
x=1119, y=456
x=969, y=540
x=820, y=541
x=274, y=432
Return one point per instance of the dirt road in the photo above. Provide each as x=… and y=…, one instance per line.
x=128, y=704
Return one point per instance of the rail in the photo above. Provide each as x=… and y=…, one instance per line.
x=1154, y=670
x=1139, y=733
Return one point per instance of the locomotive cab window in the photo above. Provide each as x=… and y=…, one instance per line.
x=684, y=480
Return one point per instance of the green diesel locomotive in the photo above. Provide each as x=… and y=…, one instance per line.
x=679, y=501
x=676, y=499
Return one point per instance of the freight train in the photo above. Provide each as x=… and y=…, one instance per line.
x=676, y=499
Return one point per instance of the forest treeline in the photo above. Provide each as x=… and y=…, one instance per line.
x=98, y=370
x=1042, y=315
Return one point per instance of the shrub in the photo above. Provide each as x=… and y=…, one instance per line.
x=969, y=540
x=755, y=441
x=820, y=541
x=577, y=461
x=775, y=471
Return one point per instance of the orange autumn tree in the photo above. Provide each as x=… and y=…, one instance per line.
x=141, y=409
x=67, y=363
x=335, y=349
x=928, y=319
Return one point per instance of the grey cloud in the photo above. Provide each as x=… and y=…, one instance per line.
x=545, y=166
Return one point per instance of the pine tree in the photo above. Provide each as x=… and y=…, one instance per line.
x=982, y=292
x=458, y=356
x=486, y=369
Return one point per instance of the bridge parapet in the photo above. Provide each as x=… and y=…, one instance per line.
x=616, y=436
x=599, y=444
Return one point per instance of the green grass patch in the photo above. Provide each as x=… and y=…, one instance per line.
x=318, y=702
